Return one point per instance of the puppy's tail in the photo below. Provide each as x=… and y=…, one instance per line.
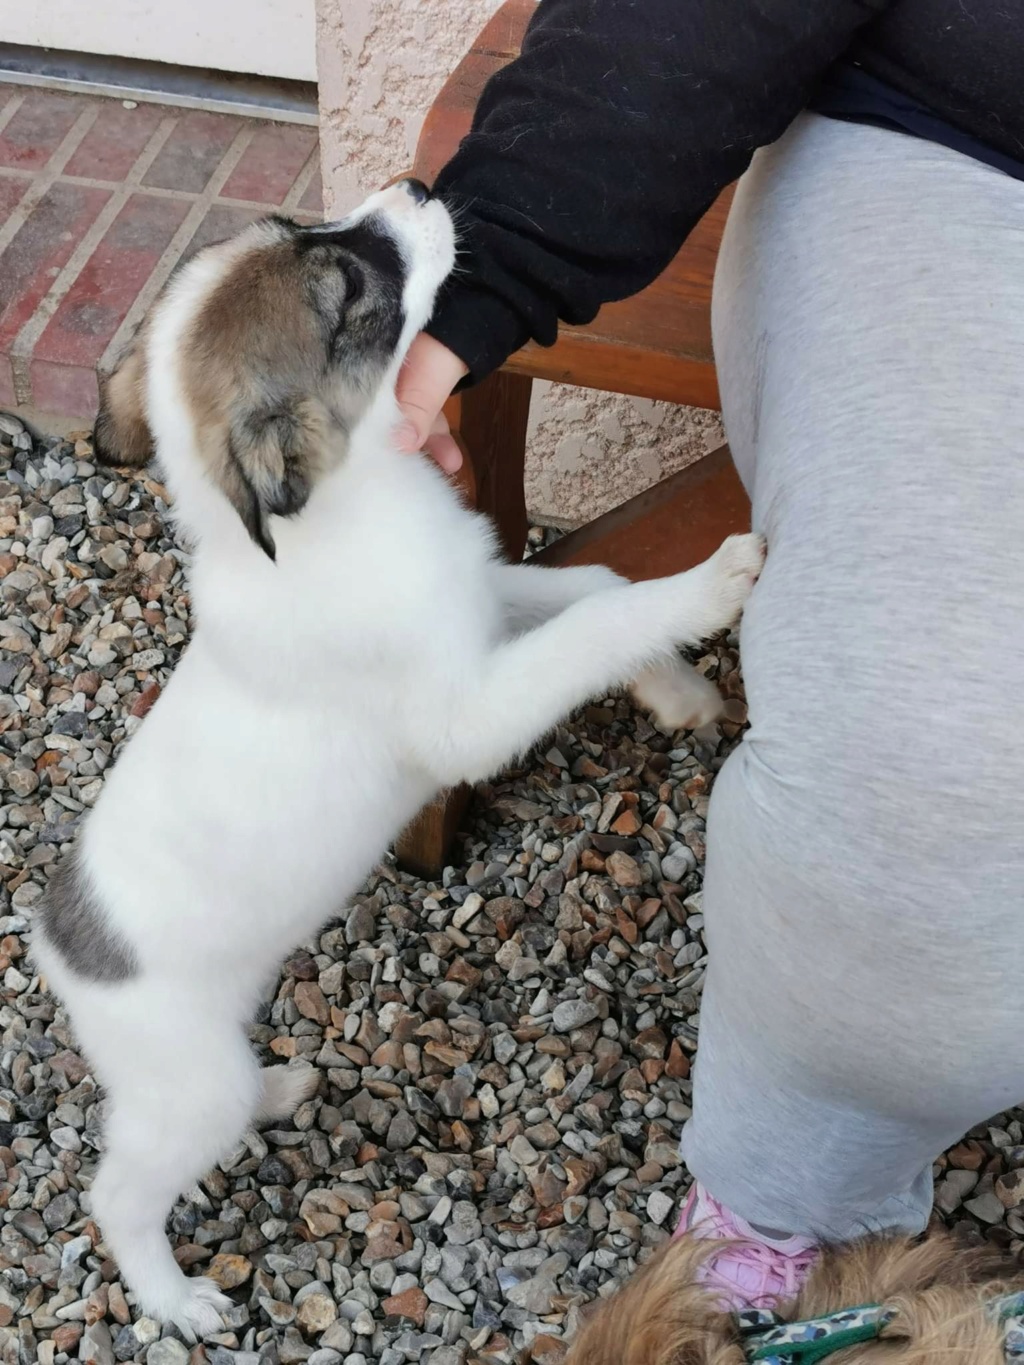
x=121, y=435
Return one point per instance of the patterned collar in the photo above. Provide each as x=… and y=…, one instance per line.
x=770, y=1341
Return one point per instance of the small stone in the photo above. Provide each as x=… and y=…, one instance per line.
x=464, y=1225
x=280, y=1314
x=574, y=1208
x=547, y=1350
x=953, y=1189
x=623, y=870
x=452, y=1095
x=522, y=1151
x=73, y=1251
x=361, y=925
x=649, y=1043
x=146, y=1329
x=362, y=1324
x=167, y=1351
x=534, y=1295
x=1009, y=1189
x=228, y=1270
x=580, y=1173
x=96, y=1345
x=59, y=1212
x=659, y=1206
x=572, y=1014
x=146, y=659
x=505, y=1048
x=22, y=781
x=986, y=1207
x=67, y=1336
x=438, y=1292
x=316, y=1311
x=675, y=866
x=129, y=1341
x=411, y=1303
x=402, y=1132
x=311, y=1002
x=678, y=1064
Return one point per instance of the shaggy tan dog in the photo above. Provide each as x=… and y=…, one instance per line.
x=663, y=1316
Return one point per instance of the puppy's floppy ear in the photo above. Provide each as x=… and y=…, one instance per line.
x=275, y=454
x=121, y=435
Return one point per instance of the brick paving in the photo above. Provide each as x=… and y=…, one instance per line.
x=98, y=204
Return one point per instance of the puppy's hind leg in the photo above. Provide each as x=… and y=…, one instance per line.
x=192, y=1092
x=679, y=696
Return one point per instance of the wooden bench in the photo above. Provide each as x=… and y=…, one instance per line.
x=655, y=345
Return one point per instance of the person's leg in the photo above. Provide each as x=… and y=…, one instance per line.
x=865, y=876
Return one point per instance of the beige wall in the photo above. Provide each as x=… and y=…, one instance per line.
x=381, y=63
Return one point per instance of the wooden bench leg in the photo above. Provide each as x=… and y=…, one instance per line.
x=489, y=422
x=423, y=847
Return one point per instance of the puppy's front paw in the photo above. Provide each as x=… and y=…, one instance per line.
x=735, y=567
x=199, y=1313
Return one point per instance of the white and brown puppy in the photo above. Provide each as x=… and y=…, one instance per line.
x=359, y=646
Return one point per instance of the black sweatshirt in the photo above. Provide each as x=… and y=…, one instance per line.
x=596, y=152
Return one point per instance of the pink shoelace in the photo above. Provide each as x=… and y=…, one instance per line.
x=751, y=1271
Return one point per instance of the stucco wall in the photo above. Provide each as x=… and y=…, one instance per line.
x=381, y=63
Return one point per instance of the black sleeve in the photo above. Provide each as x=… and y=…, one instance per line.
x=597, y=150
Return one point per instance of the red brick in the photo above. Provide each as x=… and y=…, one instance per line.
x=12, y=191
x=222, y=221
x=7, y=93
x=39, y=250
x=270, y=163
x=313, y=199
x=95, y=305
x=112, y=145
x=193, y=151
x=67, y=390
x=38, y=128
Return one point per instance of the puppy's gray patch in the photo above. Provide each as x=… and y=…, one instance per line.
x=75, y=923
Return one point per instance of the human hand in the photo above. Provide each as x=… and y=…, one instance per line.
x=427, y=377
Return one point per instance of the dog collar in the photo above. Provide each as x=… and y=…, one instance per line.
x=770, y=1341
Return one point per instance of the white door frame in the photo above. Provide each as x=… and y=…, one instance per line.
x=257, y=37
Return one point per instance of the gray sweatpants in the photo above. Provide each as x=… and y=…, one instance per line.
x=864, y=895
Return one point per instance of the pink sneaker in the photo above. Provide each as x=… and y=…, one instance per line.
x=755, y=1271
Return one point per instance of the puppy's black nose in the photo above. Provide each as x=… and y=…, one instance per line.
x=418, y=190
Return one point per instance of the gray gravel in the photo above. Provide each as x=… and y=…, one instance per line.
x=505, y=1056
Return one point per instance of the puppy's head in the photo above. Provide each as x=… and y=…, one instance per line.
x=664, y=1315
x=265, y=351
